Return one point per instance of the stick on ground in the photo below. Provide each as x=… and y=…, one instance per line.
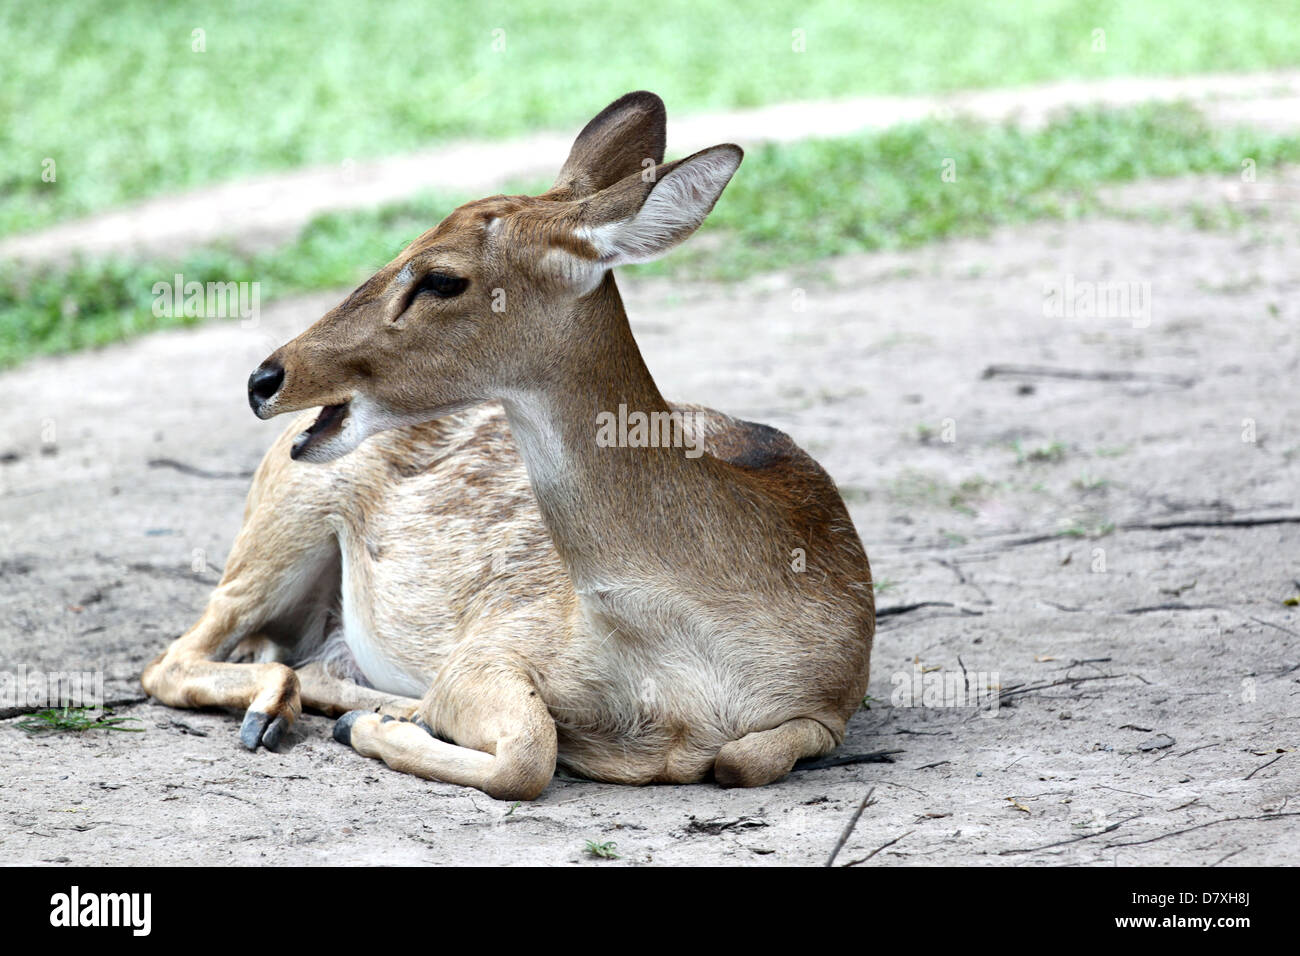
x=844, y=837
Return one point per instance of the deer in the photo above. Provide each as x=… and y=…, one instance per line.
x=439, y=553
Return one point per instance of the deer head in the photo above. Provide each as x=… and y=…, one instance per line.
x=497, y=296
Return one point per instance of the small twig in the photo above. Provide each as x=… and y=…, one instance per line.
x=963, y=579
x=1061, y=607
x=875, y=756
x=1058, y=536
x=185, y=469
x=1173, y=606
x=1201, y=826
x=844, y=837
x=1211, y=523
x=903, y=786
x=883, y=846
x=233, y=796
x=922, y=733
x=1007, y=694
x=1121, y=790
x=1087, y=836
x=1085, y=374
x=1228, y=856
x=908, y=608
x=1262, y=766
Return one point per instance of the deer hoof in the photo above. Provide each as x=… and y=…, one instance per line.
x=259, y=728
x=343, y=726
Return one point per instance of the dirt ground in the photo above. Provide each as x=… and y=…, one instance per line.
x=1112, y=555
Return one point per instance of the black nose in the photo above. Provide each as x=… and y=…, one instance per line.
x=263, y=384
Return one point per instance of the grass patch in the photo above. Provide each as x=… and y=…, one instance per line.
x=1089, y=483
x=1111, y=451
x=604, y=851
x=790, y=205
x=922, y=489
x=123, y=100
x=1052, y=453
x=816, y=199
x=75, y=720
x=1079, y=530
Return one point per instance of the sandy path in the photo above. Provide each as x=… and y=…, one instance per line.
x=270, y=209
x=1174, y=637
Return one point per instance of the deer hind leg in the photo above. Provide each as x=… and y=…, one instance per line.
x=332, y=696
x=279, y=581
x=766, y=756
x=505, y=737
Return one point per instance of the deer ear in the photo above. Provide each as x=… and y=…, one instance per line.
x=644, y=216
x=617, y=143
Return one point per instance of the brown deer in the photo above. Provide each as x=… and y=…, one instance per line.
x=457, y=553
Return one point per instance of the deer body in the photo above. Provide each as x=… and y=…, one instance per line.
x=513, y=591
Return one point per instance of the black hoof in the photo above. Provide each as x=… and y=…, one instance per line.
x=343, y=726
x=250, y=733
x=275, y=733
x=259, y=728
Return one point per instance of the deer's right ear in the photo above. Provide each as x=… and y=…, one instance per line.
x=642, y=217
x=626, y=136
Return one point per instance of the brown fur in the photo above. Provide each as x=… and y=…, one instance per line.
x=635, y=613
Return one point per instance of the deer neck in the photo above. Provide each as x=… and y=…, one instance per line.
x=594, y=496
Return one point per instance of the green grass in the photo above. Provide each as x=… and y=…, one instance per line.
x=788, y=206
x=1090, y=482
x=1050, y=454
x=116, y=95
x=604, y=851
x=811, y=200
x=924, y=489
x=1078, y=530
x=75, y=719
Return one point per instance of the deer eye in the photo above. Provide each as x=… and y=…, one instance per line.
x=442, y=285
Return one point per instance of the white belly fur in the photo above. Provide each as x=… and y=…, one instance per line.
x=380, y=671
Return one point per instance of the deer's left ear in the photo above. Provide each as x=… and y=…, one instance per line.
x=645, y=215
x=625, y=137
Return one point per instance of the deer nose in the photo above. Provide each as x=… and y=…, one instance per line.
x=263, y=384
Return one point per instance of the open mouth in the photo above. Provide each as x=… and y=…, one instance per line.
x=328, y=423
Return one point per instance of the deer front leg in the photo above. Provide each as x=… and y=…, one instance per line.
x=184, y=675
x=505, y=737
x=278, y=573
